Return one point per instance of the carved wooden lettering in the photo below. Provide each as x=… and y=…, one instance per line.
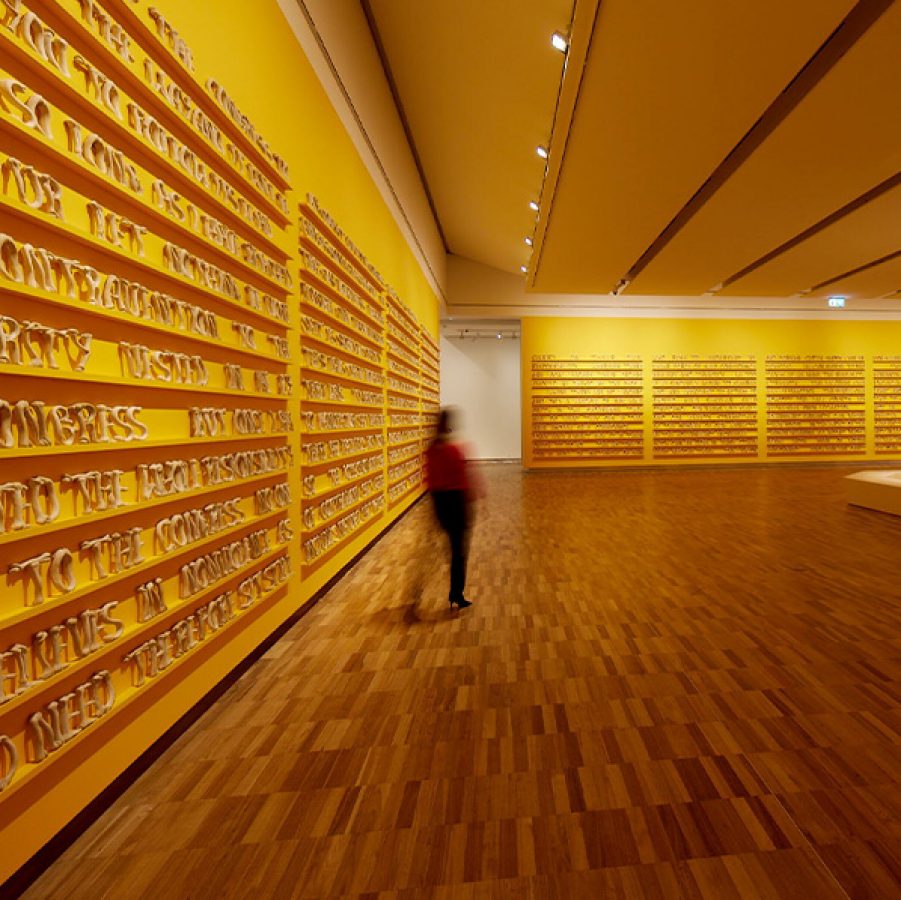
x=10, y=765
x=84, y=634
x=113, y=553
x=284, y=532
x=188, y=265
x=174, y=476
x=222, y=189
x=36, y=499
x=37, y=35
x=37, y=269
x=48, y=651
x=276, y=308
x=34, y=111
x=15, y=677
x=167, y=200
x=182, y=103
x=55, y=570
x=157, y=654
x=65, y=717
x=112, y=228
x=102, y=156
x=255, y=587
x=151, y=602
x=181, y=529
x=280, y=345
x=246, y=335
x=280, y=421
x=234, y=377
x=35, y=423
x=267, y=499
x=10, y=265
x=33, y=344
x=97, y=491
x=207, y=421
x=252, y=297
x=171, y=38
x=222, y=562
x=35, y=189
x=107, y=28
x=248, y=421
x=99, y=86
x=214, y=230
x=163, y=365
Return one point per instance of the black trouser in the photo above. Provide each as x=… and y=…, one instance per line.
x=452, y=514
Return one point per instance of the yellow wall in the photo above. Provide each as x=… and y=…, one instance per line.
x=254, y=53
x=848, y=372
x=251, y=52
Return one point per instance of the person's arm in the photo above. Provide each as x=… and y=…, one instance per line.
x=475, y=485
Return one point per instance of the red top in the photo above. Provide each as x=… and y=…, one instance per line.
x=445, y=467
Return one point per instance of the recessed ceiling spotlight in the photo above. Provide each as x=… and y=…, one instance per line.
x=523, y=269
x=541, y=151
x=558, y=42
x=529, y=241
x=533, y=206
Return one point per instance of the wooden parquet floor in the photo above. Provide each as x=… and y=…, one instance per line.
x=671, y=684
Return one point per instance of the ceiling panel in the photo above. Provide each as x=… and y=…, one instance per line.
x=478, y=82
x=877, y=281
x=669, y=89
x=841, y=140
x=856, y=239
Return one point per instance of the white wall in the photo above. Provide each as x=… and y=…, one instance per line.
x=481, y=377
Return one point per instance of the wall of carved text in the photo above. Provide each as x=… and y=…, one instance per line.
x=211, y=399
x=603, y=392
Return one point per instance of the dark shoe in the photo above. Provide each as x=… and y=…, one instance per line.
x=462, y=603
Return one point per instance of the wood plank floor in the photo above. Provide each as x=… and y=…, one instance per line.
x=672, y=684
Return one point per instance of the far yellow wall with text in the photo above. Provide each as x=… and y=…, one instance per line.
x=647, y=338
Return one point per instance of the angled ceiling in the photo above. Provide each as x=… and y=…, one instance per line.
x=477, y=82
x=750, y=148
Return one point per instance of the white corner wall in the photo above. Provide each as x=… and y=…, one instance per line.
x=481, y=377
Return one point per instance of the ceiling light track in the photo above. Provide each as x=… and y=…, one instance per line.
x=586, y=13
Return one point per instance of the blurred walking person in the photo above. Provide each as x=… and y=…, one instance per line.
x=452, y=490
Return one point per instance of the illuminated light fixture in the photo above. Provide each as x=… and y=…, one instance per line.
x=836, y=302
x=558, y=42
x=529, y=241
x=623, y=284
x=499, y=335
x=533, y=206
x=523, y=269
x=541, y=151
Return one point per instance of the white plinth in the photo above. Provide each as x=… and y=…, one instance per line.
x=875, y=489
